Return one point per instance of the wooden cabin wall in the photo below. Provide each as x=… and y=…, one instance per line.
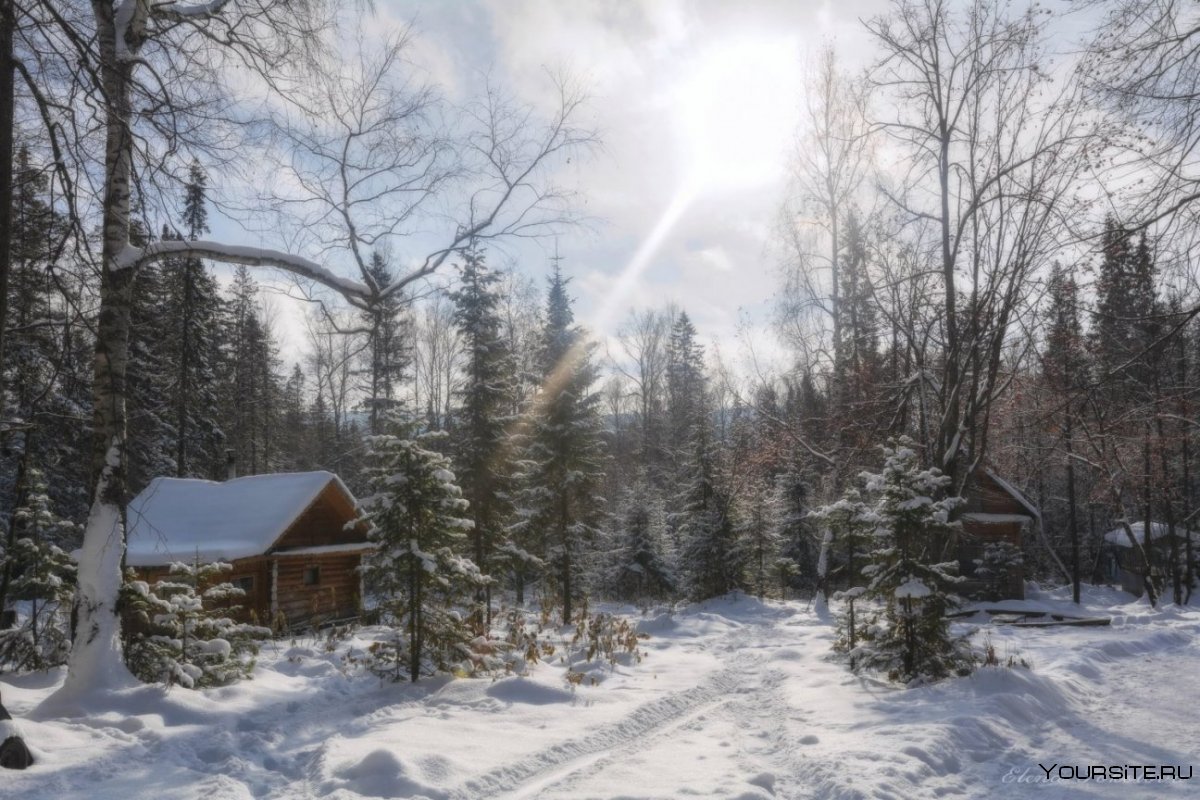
x=336, y=596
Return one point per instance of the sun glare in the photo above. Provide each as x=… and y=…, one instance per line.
x=736, y=111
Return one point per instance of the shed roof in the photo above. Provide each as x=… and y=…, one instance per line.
x=179, y=519
x=1015, y=493
x=1158, y=530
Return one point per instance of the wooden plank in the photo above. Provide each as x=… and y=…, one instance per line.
x=1075, y=622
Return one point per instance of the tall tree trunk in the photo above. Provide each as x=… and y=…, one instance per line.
x=7, y=22
x=1072, y=520
x=1147, y=509
x=95, y=662
x=414, y=619
x=184, y=389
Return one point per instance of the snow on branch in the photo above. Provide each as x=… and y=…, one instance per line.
x=356, y=294
x=174, y=11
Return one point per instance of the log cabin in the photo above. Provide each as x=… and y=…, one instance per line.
x=292, y=539
x=995, y=511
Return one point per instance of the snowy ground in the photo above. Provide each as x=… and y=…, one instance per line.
x=735, y=699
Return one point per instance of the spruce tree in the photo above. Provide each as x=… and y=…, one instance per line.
x=686, y=387
x=36, y=569
x=759, y=541
x=389, y=345
x=152, y=435
x=47, y=359
x=481, y=435
x=561, y=467
x=908, y=635
x=251, y=392
x=709, y=557
x=638, y=562
x=194, y=312
x=418, y=520
x=1064, y=370
x=797, y=560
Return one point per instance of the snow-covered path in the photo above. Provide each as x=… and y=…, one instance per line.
x=734, y=699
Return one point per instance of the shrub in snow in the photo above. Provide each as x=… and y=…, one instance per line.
x=179, y=629
x=602, y=637
x=415, y=510
x=904, y=632
x=41, y=574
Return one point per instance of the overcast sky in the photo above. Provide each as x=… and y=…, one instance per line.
x=697, y=105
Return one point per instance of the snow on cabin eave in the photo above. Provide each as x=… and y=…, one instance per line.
x=987, y=518
x=325, y=549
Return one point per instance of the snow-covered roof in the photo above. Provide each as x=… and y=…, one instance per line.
x=1119, y=538
x=1015, y=493
x=986, y=518
x=177, y=519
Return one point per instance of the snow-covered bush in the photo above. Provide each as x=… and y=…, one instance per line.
x=905, y=632
x=179, y=629
x=414, y=508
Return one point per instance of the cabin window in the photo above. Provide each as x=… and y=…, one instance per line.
x=246, y=584
x=312, y=576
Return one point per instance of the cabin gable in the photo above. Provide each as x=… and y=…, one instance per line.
x=327, y=521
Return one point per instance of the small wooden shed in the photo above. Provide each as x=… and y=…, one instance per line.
x=291, y=538
x=995, y=512
x=1125, y=564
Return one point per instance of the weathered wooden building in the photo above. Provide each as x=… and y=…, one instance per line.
x=995, y=512
x=291, y=539
x=1124, y=564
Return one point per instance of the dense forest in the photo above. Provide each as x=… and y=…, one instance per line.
x=986, y=261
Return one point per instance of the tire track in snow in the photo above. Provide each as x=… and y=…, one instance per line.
x=553, y=764
x=770, y=754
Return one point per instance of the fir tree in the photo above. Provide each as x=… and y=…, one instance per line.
x=388, y=348
x=639, y=565
x=481, y=437
x=183, y=631
x=759, y=543
x=152, y=436
x=797, y=560
x=417, y=517
x=908, y=635
x=42, y=573
x=251, y=392
x=709, y=556
x=558, y=505
x=1065, y=372
x=194, y=311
